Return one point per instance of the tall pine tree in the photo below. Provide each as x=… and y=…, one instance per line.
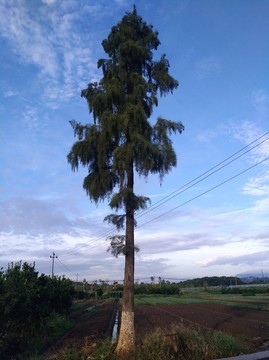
x=121, y=141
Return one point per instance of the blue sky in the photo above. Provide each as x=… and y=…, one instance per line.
x=218, y=224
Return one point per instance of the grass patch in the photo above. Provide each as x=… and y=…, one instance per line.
x=190, y=344
x=78, y=305
x=258, y=302
x=57, y=325
x=178, y=342
x=166, y=299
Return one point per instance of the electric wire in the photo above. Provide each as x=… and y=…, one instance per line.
x=185, y=187
x=66, y=268
x=198, y=196
x=63, y=266
x=193, y=198
x=182, y=189
x=204, y=176
x=205, y=192
x=86, y=243
x=188, y=201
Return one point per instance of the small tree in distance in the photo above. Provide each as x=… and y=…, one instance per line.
x=121, y=140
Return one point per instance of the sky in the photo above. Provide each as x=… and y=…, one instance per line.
x=209, y=216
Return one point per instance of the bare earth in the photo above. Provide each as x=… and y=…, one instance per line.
x=96, y=324
x=250, y=325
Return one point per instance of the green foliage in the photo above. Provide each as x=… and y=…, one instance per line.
x=56, y=325
x=158, y=299
x=117, y=220
x=26, y=303
x=165, y=288
x=246, y=291
x=81, y=294
x=121, y=137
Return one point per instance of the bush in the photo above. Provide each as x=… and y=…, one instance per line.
x=245, y=291
x=27, y=302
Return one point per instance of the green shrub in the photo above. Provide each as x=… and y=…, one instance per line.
x=57, y=325
x=28, y=302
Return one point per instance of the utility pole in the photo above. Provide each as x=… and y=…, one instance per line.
x=52, y=268
x=76, y=283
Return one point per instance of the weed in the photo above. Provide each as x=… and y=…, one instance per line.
x=178, y=342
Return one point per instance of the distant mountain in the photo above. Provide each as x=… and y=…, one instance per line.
x=254, y=275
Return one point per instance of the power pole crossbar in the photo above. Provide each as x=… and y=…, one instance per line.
x=52, y=268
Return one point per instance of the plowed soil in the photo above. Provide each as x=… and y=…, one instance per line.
x=249, y=325
x=92, y=322
x=95, y=324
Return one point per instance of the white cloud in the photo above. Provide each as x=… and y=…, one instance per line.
x=51, y=42
x=48, y=2
x=248, y=132
x=260, y=100
x=252, y=259
x=257, y=186
x=30, y=118
x=262, y=206
x=207, y=136
x=122, y=2
x=207, y=67
x=9, y=93
x=41, y=217
x=27, y=37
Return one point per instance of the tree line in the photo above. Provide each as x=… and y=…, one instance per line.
x=212, y=281
x=155, y=285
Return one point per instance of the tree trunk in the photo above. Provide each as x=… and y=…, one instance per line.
x=126, y=341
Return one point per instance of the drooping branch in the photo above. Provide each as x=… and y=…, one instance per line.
x=118, y=246
x=117, y=220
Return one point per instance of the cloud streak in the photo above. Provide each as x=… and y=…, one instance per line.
x=247, y=132
x=50, y=41
x=252, y=259
x=207, y=67
x=36, y=217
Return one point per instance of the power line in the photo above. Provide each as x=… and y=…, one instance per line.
x=198, y=196
x=188, y=201
x=205, y=192
x=99, y=237
x=224, y=163
x=65, y=268
x=203, y=176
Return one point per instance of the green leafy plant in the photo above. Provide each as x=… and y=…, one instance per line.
x=32, y=307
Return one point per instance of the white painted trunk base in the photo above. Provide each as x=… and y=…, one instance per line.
x=126, y=339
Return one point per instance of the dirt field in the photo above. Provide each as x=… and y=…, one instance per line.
x=250, y=325
x=95, y=324
x=92, y=322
